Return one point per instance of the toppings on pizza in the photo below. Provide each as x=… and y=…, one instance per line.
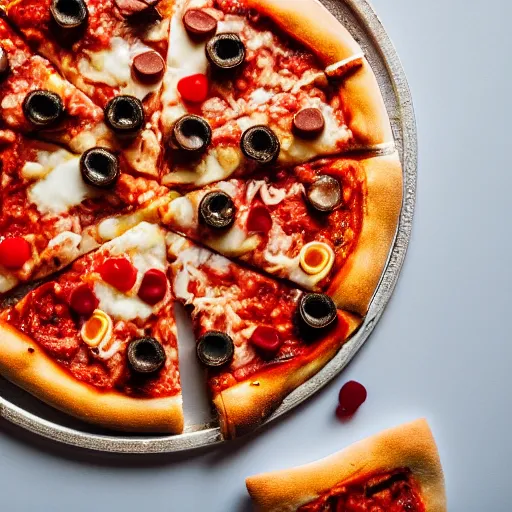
x=259, y=220
x=317, y=311
x=119, y=272
x=14, y=252
x=83, y=301
x=325, y=193
x=309, y=123
x=317, y=258
x=153, y=287
x=146, y=355
x=191, y=135
x=215, y=349
x=267, y=340
x=69, y=14
x=199, y=23
x=4, y=63
x=99, y=167
x=194, y=88
x=97, y=329
x=125, y=115
x=43, y=108
x=352, y=395
x=217, y=210
x=226, y=52
x=148, y=67
x=260, y=143
x=395, y=490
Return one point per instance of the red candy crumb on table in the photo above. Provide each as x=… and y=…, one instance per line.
x=14, y=252
x=119, y=273
x=194, y=88
x=153, y=287
x=352, y=396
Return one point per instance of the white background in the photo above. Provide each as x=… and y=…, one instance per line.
x=443, y=348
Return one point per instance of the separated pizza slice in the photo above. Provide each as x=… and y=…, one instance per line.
x=57, y=206
x=37, y=100
x=99, y=342
x=251, y=82
x=259, y=338
x=397, y=470
x=327, y=226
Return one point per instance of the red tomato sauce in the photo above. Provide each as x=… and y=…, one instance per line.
x=44, y=316
x=394, y=491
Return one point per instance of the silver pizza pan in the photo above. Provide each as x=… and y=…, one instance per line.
x=26, y=412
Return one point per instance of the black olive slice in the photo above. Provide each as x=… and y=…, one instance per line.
x=317, y=310
x=225, y=51
x=217, y=210
x=215, y=349
x=4, y=63
x=260, y=143
x=124, y=115
x=325, y=193
x=146, y=355
x=191, y=134
x=43, y=108
x=69, y=14
x=99, y=167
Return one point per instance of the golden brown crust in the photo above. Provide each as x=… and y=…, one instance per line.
x=23, y=362
x=309, y=22
x=243, y=407
x=315, y=27
x=407, y=446
x=353, y=287
x=364, y=108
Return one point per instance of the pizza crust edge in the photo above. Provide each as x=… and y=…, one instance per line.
x=410, y=445
x=25, y=364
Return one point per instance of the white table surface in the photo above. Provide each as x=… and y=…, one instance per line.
x=443, y=348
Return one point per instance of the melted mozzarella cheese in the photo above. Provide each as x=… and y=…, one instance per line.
x=7, y=282
x=182, y=213
x=296, y=150
x=145, y=246
x=234, y=242
x=113, y=67
x=261, y=96
x=62, y=187
x=231, y=24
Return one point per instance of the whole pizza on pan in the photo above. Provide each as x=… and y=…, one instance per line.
x=231, y=155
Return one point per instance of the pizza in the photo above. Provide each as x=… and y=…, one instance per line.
x=100, y=340
x=259, y=338
x=397, y=470
x=233, y=156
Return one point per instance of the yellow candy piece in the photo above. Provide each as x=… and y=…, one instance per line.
x=97, y=328
x=316, y=258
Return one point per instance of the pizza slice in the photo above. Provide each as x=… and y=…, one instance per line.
x=252, y=82
x=397, y=470
x=259, y=338
x=57, y=206
x=99, y=342
x=37, y=100
x=328, y=226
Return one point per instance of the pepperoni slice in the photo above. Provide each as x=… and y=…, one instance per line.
x=153, y=287
x=119, y=273
x=148, y=67
x=309, y=123
x=194, y=88
x=83, y=301
x=14, y=252
x=259, y=220
x=266, y=339
x=199, y=23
